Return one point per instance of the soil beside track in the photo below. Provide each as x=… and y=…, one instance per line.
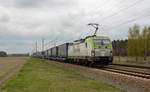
x=9, y=66
x=127, y=82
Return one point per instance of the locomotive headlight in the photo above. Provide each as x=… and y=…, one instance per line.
x=111, y=53
x=93, y=53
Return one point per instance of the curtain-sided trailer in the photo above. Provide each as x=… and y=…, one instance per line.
x=54, y=52
x=59, y=52
x=63, y=51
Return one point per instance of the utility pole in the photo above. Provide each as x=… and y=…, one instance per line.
x=54, y=43
x=49, y=44
x=36, y=47
x=55, y=40
x=43, y=44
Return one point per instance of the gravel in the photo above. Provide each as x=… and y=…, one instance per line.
x=127, y=82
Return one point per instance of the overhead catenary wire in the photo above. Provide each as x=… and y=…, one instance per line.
x=141, y=12
x=53, y=43
x=122, y=10
x=129, y=21
x=104, y=6
x=105, y=3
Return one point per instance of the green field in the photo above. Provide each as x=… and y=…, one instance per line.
x=38, y=76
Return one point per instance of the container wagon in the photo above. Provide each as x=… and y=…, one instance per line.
x=54, y=53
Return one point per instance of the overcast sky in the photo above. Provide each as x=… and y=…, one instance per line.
x=23, y=22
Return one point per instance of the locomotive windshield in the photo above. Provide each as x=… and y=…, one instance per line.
x=101, y=42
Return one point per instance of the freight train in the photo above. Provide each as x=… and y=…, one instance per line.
x=89, y=51
x=92, y=50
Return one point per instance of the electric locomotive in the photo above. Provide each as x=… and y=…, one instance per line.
x=91, y=50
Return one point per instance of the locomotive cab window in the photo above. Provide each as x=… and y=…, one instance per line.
x=101, y=42
x=106, y=42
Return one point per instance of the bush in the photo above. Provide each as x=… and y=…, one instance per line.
x=3, y=54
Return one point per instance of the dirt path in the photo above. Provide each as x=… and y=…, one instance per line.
x=9, y=67
x=129, y=83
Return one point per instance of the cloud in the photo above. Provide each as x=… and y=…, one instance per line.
x=4, y=18
x=22, y=22
x=37, y=3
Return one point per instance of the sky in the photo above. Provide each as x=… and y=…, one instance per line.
x=23, y=22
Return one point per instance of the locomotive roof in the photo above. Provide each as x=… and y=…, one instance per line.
x=98, y=37
x=90, y=38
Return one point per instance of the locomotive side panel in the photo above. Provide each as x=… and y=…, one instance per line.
x=79, y=50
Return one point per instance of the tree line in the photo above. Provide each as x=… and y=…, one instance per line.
x=137, y=44
x=120, y=47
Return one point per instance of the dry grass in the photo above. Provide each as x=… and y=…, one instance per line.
x=13, y=58
x=132, y=60
x=9, y=64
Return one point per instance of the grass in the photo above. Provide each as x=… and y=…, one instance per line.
x=38, y=76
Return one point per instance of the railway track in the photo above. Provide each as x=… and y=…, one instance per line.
x=136, y=71
x=133, y=66
x=143, y=72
